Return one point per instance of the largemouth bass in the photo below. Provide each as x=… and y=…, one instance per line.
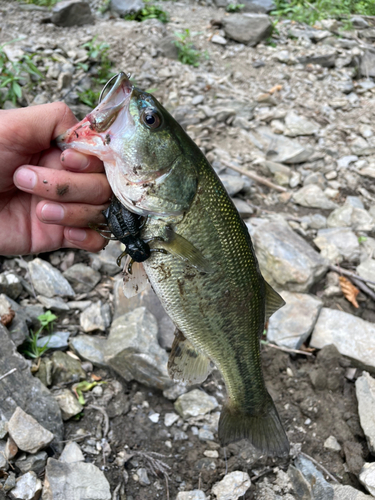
x=208, y=280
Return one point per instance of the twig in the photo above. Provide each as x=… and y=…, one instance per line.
x=286, y=349
x=320, y=466
x=364, y=288
x=116, y=490
x=106, y=418
x=254, y=177
x=75, y=439
x=340, y=270
x=8, y=373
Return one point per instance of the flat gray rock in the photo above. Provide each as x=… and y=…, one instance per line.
x=72, y=13
x=285, y=259
x=233, y=486
x=28, y=487
x=365, y=392
x=105, y=260
x=367, y=477
x=124, y=7
x=352, y=336
x=96, y=317
x=195, y=403
x=338, y=244
x=34, y=463
x=367, y=65
x=299, y=125
x=79, y=480
x=312, y=196
x=258, y=6
x=90, y=348
x=191, y=495
x=58, y=340
x=232, y=183
x=10, y=285
x=132, y=349
x=249, y=29
x=15, y=390
x=292, y=324
x=27, y=433
x=82, y=278
x=320, y=488
x=68, y=404
x=351, y=216
x=66, y=369
x=366, y=269
x=349, y=493
x=48, y=280
x=54, y=304
x=72, y=453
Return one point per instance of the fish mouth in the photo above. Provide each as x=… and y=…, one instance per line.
x=91, y=131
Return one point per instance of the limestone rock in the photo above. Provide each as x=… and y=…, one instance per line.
x=194, y=403
x=96, y=317
x=47, y=280
x=83, y=278
x=332, y=444
x=366, y=269
x=367, y=477
x=27, y=433
x=337, y=244
x=249, y=29
x=299, y=125
x=90, y=348
x=365, y=391
x=292, y=324
x=105, y=260
x=72, y=13
x=312, y=196
x=233, y=486
x=72, y=453
x=352, y=336
x=28, y=487
x=68, y=404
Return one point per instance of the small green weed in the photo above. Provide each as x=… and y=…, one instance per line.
x=104, y=7
x=234, y=7
x=41, y=3
x=32, y=350
x=13, y=74
x=82, y=387
x=362, y=239
x=149, y=11
x=187, y=54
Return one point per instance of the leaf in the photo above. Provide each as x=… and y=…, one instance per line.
x=349, y=290
x=7, y=318
x=17, y=89
x=275, y=88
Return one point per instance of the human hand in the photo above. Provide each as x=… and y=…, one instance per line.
x=47, y=198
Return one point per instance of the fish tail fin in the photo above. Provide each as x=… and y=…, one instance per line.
x=264, y=429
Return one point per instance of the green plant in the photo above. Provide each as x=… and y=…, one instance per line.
x=41, y=3
x=31, y=349
x=234, y=7
x=149, y=11
x=104, y=7
x=362, y=239
x=187, y=54
x=84, y=386
x=14, y=75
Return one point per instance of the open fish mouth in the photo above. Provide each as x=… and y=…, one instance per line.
x=97, y=128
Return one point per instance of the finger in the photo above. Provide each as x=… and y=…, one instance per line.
x=85, y=239
x=70, y=214
x=78, y=162
x=61, y=185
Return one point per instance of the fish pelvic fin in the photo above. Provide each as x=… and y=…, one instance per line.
x=265, y=430
x=273, y=301
x=186, y=363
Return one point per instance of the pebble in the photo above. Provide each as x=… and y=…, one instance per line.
x=191, y=495
x=34, y=463
x=353, y=336
x=366, y=269
x=338, y=244
x=349, y=493
x=367, y=477
x=48, y=280
x=90, y=348
x=66, y=369
x=72, y=13
x=27, y=433
x=143, y=477
x=71, y=453
x=220, y=40
x=82, y=278
x=170, y=419
x=54, y=304
x=299, y=125
x=28, y=487
x=249, y=29
x=331, y=444
x=233, y=486
x=321, y=489
x=313, y=197
x=10, y=285
x=57, y=340
x=194, y=403
x=205, y=435
x=211, y=453
x=96, y=317
x=68, y=404
x=365, y=392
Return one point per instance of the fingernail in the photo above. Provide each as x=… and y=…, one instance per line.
x=52, y=212
x=74, y=160
x=75, y=234
x=26, y=178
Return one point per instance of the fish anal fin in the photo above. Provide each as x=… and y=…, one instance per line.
x=137, y=281
x=180, y=247
x=186, y=363
x=273, y=301
x=264, y=430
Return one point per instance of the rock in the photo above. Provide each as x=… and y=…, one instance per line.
x=232, y=183
x=133, y=351
x=258, y=6
x=301, y=486
x=249, y=29
x=351, y=216
x=326, y=58
x=47, y=280
x=194, y=403
x=367, y=477
x=143, y=477
x=170, y=419
x=358, y=22
x=285, y=259
x=10, y=285
x=34, y=463
x=27, y=433
x=291, y=325
x=349, y=493
x=68, y=404
x=353, y=337
x=66, y=369
x=243, y=208
x=72, y=13
x=151, y=302
x=365, y=391
x=191, y=495
x=80, y=480
x=367, y=64
x=105, y=260
x=168, y=47
x=366, y=269
x=342, y=241
x=15, y=390
x=233, y=486
x=124, y=7
x=299, y=125
x=90, y=348
x=71, y=453
x=96, y=317
x=58, y=340
x=3, y=459
x=332, y=444
x=354, y=456
x=83, y=278
x=28, y=487
x=54, y=304
x=321, y=489
x=219, y=40
x=312, y=196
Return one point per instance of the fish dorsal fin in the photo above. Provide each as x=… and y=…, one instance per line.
x=180, y=247
x=273, y=301
x=186, y=363
x=137, y=281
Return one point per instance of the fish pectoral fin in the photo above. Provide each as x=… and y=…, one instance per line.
x=137, y=281
x=186, y=363
x=180, y=247
x=273, y=301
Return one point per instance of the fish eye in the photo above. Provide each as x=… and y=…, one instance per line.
x=151, y=119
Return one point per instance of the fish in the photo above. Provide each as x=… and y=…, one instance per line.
x=208, y=279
